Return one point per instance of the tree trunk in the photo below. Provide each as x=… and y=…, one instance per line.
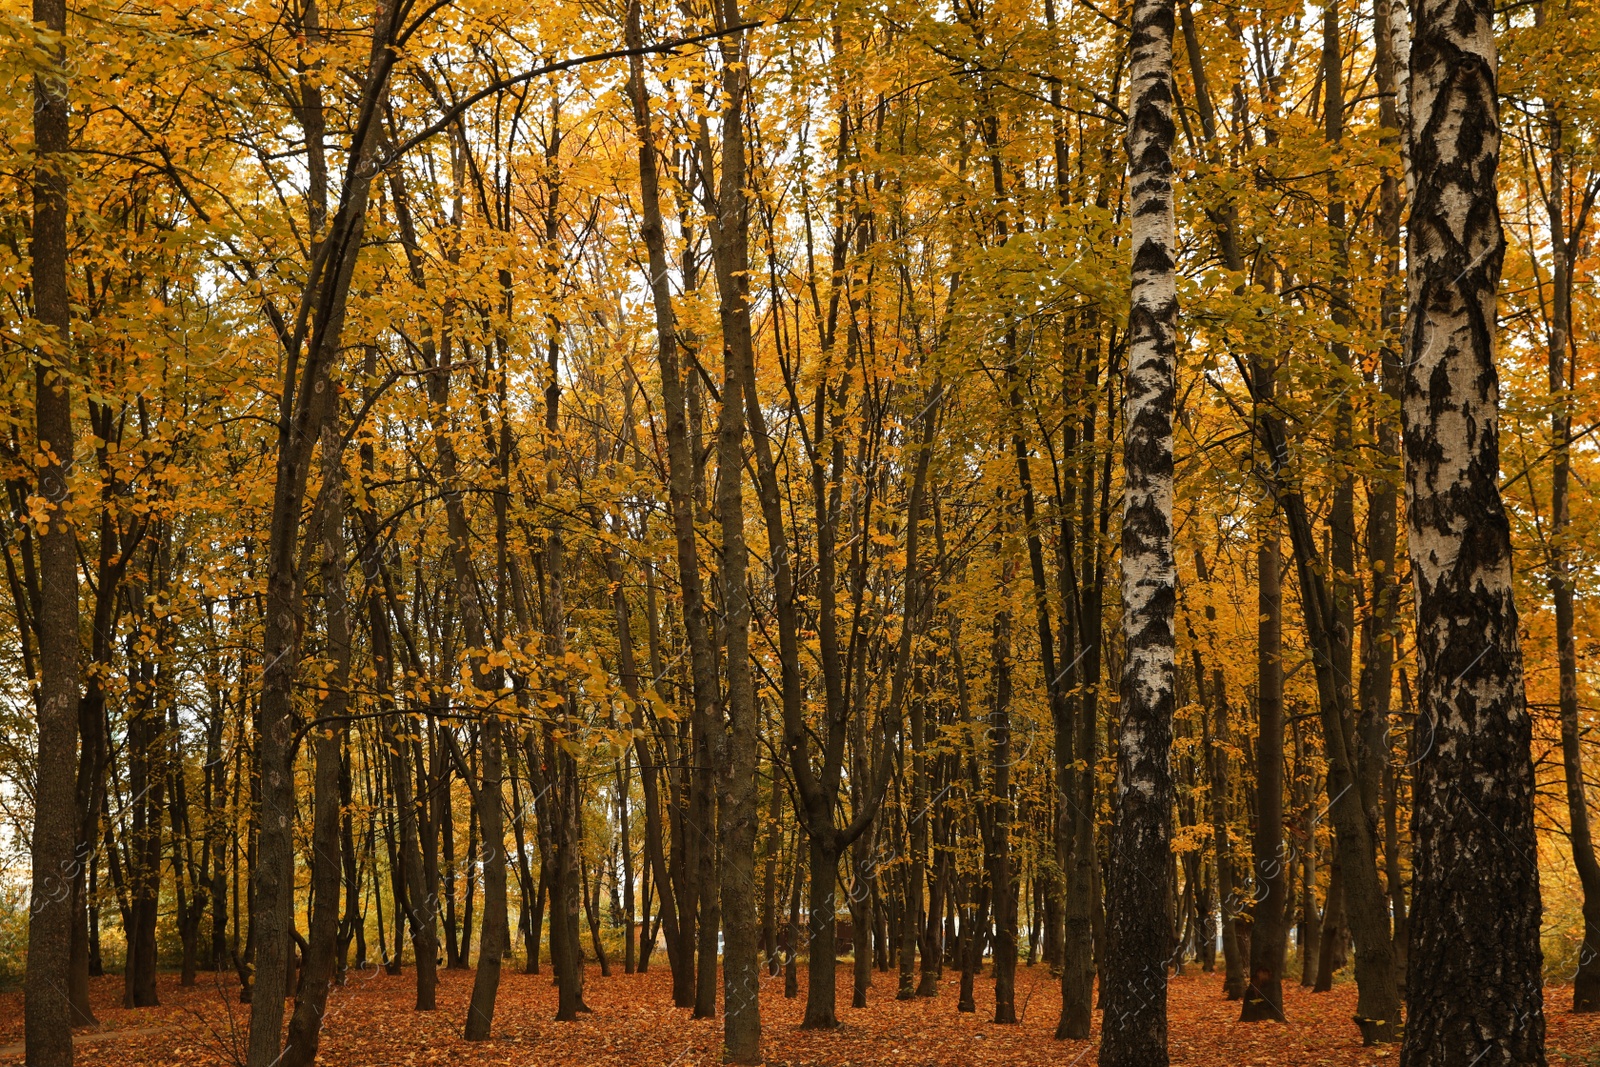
x=1330, y=955
x=769, y=880
x=1134, y=1024
x=1002, y=878
x=625, y=864
x=1310, y=927
x=1263, y=998
x=681, y=482
x=974, y=932
x=1380, y=632
x=47, y=1011
x=735, y=741
x=791, y=954
x=1563, y=378
x=305, y=1026
x=821, y=968
x=591, y=912
x=146, y=781
x=859, y=898
x=495, y=937
x=655, y=858
x=302, y=407
x=413, y=901
x=1474, y=988
x=1082, y=919
x=912, y=921
x=1214, y=731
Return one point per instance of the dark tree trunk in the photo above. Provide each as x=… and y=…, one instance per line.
x=1213, y=696
x=630, y=960
x=591, y=912
x=352, y=923
x=495, y=938
x=681, y=484
x=146, y=782
x=821, y=969
x=1563, y=377
x=791, y=953
x=974, y=932
x=1263, y=998
x=47, y=1011
x=859, y=898
x=1002, y=878
x=769, y=880
x=1330, y=955
x=1380, y=629
x=655, y=859
x=302, y=407
x=311, y=999
x=1310, y=926
x=1083, y=931
x=735, y=736
x=912, y=922
x=413, y=900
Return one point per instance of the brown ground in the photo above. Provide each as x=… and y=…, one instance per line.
x=371, y=1024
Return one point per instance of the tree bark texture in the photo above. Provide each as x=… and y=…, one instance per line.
x=47, y=1013
x=1474, y=990
x=1134, y=1021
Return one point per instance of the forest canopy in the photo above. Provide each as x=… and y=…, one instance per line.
x=731, y=486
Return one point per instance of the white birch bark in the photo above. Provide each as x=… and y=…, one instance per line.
x=1134, y=1024
x=1474, y=989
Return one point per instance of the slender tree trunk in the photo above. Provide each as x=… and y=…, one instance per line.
x=1002, y=877
x=146, y=781
x=681, y=482
x=302, y=409
x=566, y=807
x=769, y=880
x=1213, y=696
x=351, y=922
x=654, y=852
x=495, y=936
x=1563, y=376
x=305, y=1026
x=735, y=740
x=1379, y=638
x=625, y=864
x=115, y=553
x=1474, y=989
x=974, y=931
x=413, y=902
x=1263, y=998
x=912, y=921
x=859, y=897
x=47, y=1011
x=1310, y=926
x=1330, y=955
x=1082, y=920
x=791, y=954
x=591, y=912
x=1134, y=1024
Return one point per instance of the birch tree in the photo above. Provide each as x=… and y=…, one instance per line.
x=1134, y=1027
x=1474, y=991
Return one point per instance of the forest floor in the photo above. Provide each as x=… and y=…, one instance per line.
x=370, y=1024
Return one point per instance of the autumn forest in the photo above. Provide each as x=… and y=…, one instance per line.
x=799, y=531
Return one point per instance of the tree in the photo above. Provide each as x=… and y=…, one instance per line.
x=47, y=1011
x=1474, y=988
x=1134, y=1024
